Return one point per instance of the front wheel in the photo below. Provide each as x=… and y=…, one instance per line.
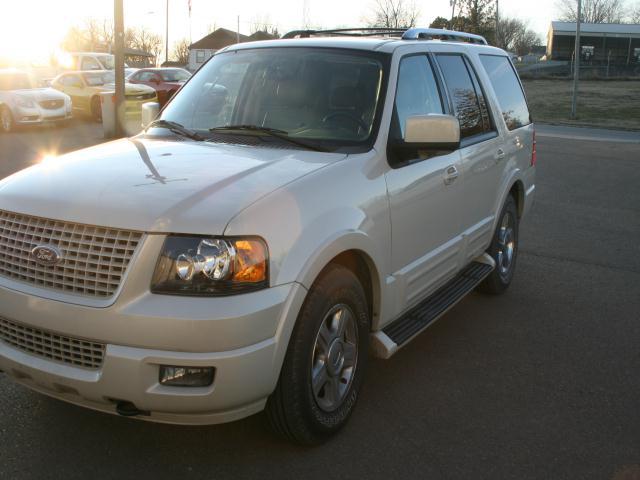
x=325, y=362
x=503, y=249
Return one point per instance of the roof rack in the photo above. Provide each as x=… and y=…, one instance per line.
x=442, y=34
x=403, y=33
x=348, y=32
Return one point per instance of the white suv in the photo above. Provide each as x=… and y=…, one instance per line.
x=298, y=204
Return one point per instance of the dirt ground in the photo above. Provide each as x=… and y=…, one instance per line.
x=611, y=104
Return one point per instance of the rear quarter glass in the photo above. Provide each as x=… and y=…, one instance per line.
x=508, y=89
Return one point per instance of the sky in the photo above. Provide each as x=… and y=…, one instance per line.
x=30, y=27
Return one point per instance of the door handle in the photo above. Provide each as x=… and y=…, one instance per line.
x=450, y=175
x=500, y=155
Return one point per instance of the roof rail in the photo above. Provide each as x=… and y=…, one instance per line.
x=348, y=32
x=442, y=34
x=402, y=32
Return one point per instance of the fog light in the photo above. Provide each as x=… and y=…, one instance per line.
x=186, y=376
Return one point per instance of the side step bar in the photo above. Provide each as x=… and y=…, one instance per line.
x=391, y=338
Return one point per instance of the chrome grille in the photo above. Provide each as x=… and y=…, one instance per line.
x=94, y=259
x=51, y=104
x=73, y=351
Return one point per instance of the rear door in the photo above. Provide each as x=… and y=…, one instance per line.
x=424, y=191
x=481, y=148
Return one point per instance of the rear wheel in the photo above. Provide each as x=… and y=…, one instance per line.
x=325, y=362
x=503, y=249
x=6, y=120
x=96, y=109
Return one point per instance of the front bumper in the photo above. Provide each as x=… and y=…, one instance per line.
x=39, y=116
x=243, y=337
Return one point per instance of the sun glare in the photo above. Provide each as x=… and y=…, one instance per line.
x=31, y=31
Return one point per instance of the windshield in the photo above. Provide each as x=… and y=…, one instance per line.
x=175, y=75
x=99, y=78
x=327, y=96
x=107, y=61
x=16, y=81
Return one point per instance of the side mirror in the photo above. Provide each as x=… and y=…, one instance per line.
x=150, y=111
x=432, y=132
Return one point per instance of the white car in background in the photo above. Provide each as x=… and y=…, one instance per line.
x=22, y=104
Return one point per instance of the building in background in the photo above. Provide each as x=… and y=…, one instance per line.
x=203, y=49
x=600, y=43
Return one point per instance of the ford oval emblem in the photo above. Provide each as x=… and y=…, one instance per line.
x=46, y=255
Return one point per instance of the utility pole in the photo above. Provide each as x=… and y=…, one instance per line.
x=453, y=11
x=497, y=23
x=118, y=27
x=166, y=36
x=576, y=63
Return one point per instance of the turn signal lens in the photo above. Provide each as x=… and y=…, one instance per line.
x=211, y=266
x=251, y=261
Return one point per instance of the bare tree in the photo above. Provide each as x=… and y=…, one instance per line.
x=515, y=36
x=262, y=23
x=394, y=14
x=181, y=51
x=593, y=11
x=479, y=16
x=147, y=41
x=634, y=13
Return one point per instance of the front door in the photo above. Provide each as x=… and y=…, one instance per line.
x=424, y=193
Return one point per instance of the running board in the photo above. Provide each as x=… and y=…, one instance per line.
x=391, y=338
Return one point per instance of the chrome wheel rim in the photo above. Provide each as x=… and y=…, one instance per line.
x=335, y=358
x=506, y=244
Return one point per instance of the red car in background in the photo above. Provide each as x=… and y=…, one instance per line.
x=165, y=81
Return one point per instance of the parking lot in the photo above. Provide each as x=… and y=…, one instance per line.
x=542, y=382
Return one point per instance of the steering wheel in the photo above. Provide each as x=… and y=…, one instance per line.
x=348, y=115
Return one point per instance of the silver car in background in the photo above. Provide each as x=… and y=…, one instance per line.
x=22, y=104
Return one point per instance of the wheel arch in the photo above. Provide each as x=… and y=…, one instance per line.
x=354, y=253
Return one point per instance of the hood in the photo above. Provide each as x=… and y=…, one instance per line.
x=156, y=185
x=40, y=94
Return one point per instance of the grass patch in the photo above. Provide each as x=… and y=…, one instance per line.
x=612, y=104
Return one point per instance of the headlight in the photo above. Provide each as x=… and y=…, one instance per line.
x=211, y=266
x=25, y=102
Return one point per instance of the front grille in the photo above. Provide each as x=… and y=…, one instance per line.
x=93, y=259
x=73, y=351
x=141, y=96
x=52, y=104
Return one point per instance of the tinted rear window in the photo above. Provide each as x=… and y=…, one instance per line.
x=463, y=94
x=508, y=90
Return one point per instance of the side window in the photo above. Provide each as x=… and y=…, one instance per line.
x=145, y=76
x=467, y=104
x=417, y=91
x=508, y=90
x=89, y=63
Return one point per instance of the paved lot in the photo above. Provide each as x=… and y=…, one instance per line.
x=542, y=382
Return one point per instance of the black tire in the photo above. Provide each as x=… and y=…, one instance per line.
x=500, y=279
x=294, y=410
x=6, y=120
x=96, y=109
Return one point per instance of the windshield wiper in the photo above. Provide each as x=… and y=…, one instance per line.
x=176, y=128
x=273, y=132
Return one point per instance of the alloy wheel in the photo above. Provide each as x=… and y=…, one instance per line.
x=506, y=245
x=335, y=356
